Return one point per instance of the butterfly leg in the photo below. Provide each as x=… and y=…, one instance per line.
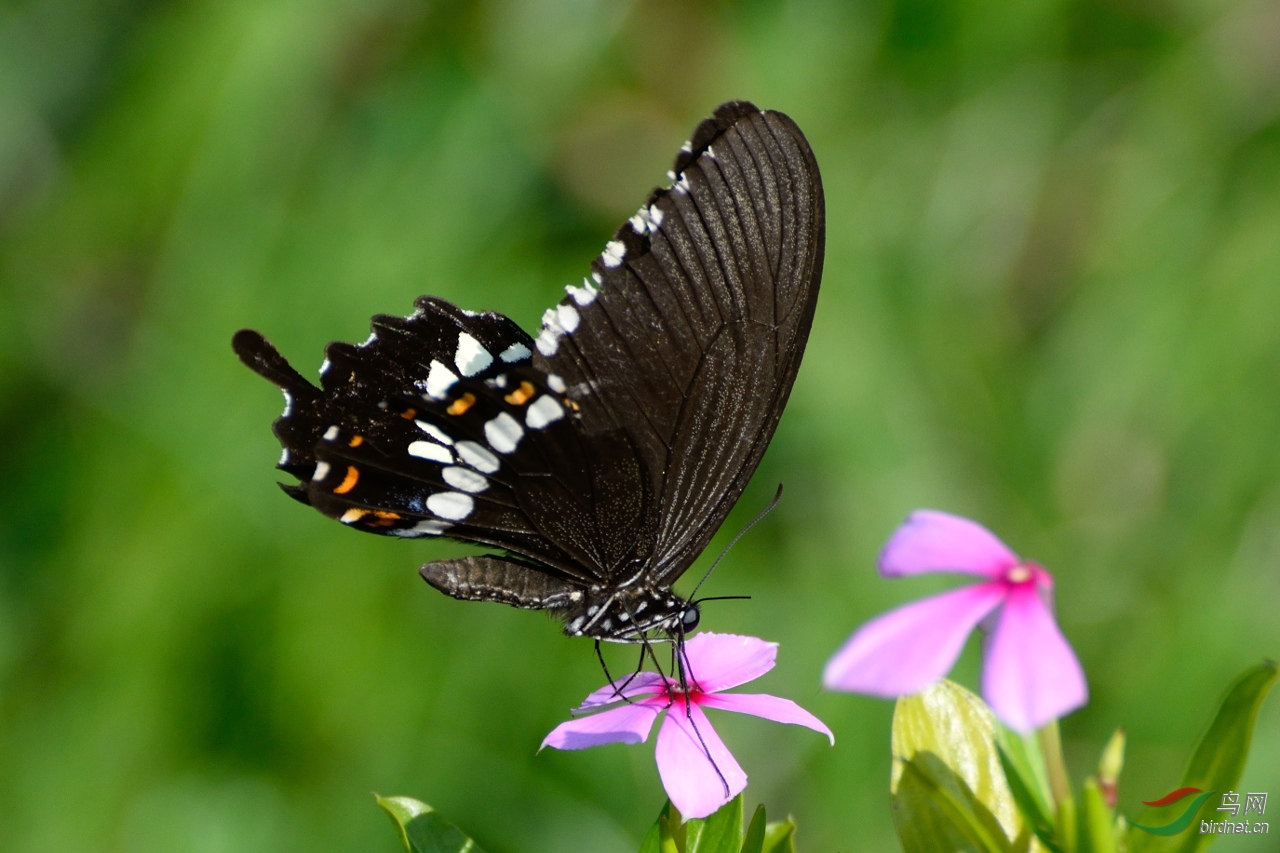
x=617, y=689
x=647, y=648
x=632, y=677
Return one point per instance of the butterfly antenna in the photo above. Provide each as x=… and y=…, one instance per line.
x=743, y=532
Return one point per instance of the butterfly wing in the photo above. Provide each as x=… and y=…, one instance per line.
x=616, y=442
x=690, y=332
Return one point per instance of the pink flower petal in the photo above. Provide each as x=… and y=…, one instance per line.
x=906, y=650
x=689, y=777
x=932, y=541
x=643, y=684
x=769, y=707
x=721, y=661
x=1030, y=675
x=626, y=724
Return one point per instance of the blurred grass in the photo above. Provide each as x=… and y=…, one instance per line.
x=1051, y=302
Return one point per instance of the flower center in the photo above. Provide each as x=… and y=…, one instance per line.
x=676, y=696
x=1018, y=574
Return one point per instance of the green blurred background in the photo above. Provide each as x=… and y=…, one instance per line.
x=1051, y=302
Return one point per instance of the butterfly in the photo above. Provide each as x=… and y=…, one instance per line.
x=601, y=456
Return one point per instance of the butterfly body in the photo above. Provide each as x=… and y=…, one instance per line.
x=601, y=455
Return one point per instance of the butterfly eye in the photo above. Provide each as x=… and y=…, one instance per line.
x=689, y=618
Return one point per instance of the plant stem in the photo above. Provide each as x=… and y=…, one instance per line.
x=1055, y=764
x=1059, y=785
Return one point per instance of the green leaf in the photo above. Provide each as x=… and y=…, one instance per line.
x=720, y=832
x=1097, y=823
x=934, y=809
x=659, y=838
x=422, y=830
x=670, y=830
x=1216, y=765
x=1022, y=753
x=1034, y=809
x=754, y=840
x=955, y=790
x=653, y=839
x=780, y=837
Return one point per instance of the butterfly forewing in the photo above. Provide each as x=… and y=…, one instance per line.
x=603, y=454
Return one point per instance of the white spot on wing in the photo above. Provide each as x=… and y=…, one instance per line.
x=454, y=506
x=288, y=403
x=478, y=457
x=353, y=515
x=284, y=457
x=548, y=342
x=426, y=527
x=331, y=433
x=568, y=317
x=687, y=147
x=655, y=215
x=465, y=479
x=543, y=411
x=503, y=433
x=322, y=471
x=440, y=380
x=515, y=352
x=471, y=356
x=549, y=338
x=373, y=336
x=324, y=367
x=595, y=276
x=614, y=252
x=555, y=383
x=638, y=223
x=683, y=183
x=431, y=450
x=584, y=295
x=433, y=431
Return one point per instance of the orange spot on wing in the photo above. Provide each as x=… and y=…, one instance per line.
x=355, y=441
x=349, y=482
x=384, y=519
x=409, y=414
x=461, y=404
x=521, y=395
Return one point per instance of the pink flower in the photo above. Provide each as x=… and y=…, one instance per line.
x=716, y=662
x=1030, y=674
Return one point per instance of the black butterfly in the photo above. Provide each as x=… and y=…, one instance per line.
x=601, y=456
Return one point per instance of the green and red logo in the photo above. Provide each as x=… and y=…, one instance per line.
x=1183, y=820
